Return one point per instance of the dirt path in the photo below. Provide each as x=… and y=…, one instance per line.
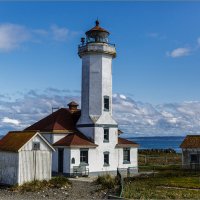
x=78, y=190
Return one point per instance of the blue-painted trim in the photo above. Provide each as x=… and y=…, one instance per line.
x=98, y=125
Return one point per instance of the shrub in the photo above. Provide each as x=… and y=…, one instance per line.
x=107, y=181
x=59, y=181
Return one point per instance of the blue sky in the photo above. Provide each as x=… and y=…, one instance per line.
x=155, y=75
x=157, y=45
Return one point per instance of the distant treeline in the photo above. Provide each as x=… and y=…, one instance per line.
x=150, y=151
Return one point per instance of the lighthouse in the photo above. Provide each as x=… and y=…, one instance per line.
x=96, y=95
x=87, y=139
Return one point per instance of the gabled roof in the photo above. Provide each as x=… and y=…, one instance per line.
x=75, y=140
x=126, y=143
x=14, y=140
x=191, y=141
x=62, y=120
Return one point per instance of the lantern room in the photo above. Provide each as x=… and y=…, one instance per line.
x=97, y=34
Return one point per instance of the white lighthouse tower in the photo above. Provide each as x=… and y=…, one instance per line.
x=96, y=120
x=96, y=97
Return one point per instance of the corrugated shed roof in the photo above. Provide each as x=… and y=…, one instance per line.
x=62, y=120
x=75, y=139
x=126, y=143
x=191, y=141
x=14, y=140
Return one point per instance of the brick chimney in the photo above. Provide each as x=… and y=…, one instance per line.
x=73, y=106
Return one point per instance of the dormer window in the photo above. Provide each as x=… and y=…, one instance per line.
x=106, y=103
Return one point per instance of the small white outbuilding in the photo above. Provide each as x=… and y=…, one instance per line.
x=24, y=156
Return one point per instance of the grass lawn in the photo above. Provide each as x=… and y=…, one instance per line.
x=169, y=181
x=166, y=184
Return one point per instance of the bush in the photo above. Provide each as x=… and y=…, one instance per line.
x=107, y=181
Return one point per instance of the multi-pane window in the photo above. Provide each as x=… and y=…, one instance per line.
x=36, y=146
x=106, y=135
x=84, y=156
x=106, y=103
x=106, y=158
x=126, y=155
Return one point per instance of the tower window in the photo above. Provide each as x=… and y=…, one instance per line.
x=126, y=155
x=106, y=103
x=106, y=135
x=84, y=156
x=106, y=158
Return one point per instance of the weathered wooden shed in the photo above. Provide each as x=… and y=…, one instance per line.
x=24, y=156
x=191, y=152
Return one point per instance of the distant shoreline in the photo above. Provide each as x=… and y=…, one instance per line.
x=159, y=142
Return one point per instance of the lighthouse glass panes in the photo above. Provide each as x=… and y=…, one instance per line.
x=106, y=103
x=97, y=36
x=84, y=156
x=106, y=135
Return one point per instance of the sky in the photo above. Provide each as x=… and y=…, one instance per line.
x=157, y=64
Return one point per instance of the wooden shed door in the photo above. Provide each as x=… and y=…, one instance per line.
x=60, y=160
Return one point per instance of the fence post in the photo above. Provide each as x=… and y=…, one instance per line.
x=145, y=159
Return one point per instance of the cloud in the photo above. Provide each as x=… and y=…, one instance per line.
x=198, y=41
x=61, y=33
x=179, y=52
x=12, y=36
x=156, y=35
x=135, y=118
x=11, y=121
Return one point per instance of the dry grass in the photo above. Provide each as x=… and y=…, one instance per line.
x=107, y=181
x=55, y=182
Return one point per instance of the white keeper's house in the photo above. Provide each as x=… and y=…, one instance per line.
x=89, y=138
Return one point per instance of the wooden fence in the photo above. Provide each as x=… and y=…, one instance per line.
x=159, y=160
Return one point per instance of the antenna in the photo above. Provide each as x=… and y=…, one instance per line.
x=54, y=108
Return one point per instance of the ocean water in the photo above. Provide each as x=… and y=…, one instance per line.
x=164, y=142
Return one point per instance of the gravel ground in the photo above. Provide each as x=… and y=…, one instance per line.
x=78, y=190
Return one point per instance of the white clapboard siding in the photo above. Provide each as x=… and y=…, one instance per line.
x=8, y=167
x=35, y=165
x=27, y=164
